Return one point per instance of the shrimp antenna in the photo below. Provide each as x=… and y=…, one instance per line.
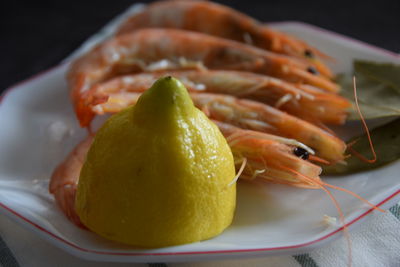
x=337, y=206
x=354, y=195
x=321, y=183
x=323, y=186
x=354, y=152
x=341, y=216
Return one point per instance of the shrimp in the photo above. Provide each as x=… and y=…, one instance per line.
x=271, y=158
x=218, y=20
x=64, y=180
x=265, y=153
x=256, y=116
x=305, y=102
x=246, y=114
x=152, y=49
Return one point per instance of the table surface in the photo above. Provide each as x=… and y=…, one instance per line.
x=37, y=35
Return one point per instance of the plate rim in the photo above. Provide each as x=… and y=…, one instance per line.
x=81, y=252
x=56, y=238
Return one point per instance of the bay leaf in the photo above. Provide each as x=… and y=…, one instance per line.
x=386, y=140
x=386, y=73
x=378, y=89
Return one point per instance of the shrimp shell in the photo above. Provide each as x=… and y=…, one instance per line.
x=307, y=103
x=221, y=21
x=134, y=52
x=64, y=180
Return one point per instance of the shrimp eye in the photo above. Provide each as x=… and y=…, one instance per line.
x=308, y=53
x=301, y=153
x=312, y=70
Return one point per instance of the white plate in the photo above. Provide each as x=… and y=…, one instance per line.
x=270, y=219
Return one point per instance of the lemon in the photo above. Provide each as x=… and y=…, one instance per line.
x=158, y=173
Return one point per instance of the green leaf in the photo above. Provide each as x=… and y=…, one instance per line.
x=378, y=89
x=386, y=140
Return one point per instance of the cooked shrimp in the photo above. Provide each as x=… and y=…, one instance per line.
x=265, y=153
x=268, y=157
x=151, y=49
x=221, y=21
x=260, y=117
x=247, y=114
x=302, y=101
x=64, y=180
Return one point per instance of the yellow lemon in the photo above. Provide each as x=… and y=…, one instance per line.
x=158, y=173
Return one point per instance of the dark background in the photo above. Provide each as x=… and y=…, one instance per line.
x=36, y=35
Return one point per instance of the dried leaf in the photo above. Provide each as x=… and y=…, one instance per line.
x=378, y=88
x=386, y=73
x=386, y=140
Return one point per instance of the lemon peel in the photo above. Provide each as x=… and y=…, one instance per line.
x=157, y=173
